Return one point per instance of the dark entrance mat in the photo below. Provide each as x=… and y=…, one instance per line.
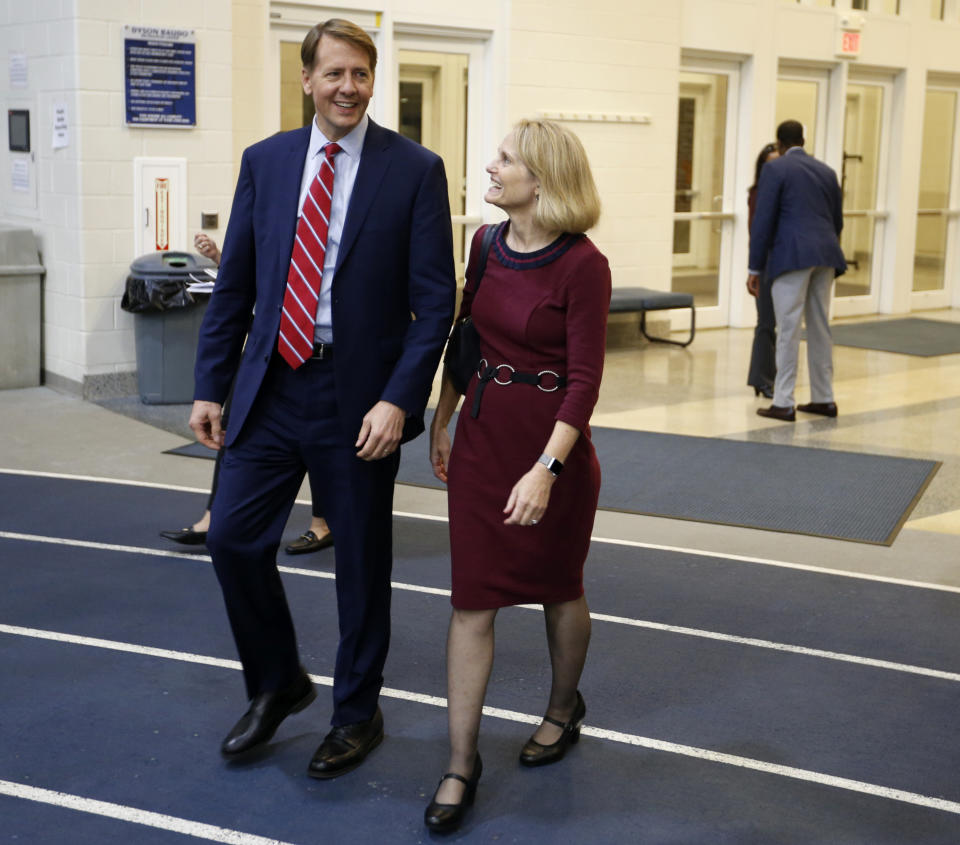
x=821, y=492
x=907, y=336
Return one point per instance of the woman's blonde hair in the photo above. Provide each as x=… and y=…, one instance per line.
x=568, y=199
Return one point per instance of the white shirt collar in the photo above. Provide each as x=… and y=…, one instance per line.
x=351, y=143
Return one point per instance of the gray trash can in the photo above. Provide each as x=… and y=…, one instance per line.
x=166, y=323
x=20, y=279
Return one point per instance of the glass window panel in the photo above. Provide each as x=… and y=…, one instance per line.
x=411, y=110
x=859, y=178
x=889, y=7
x=296, y=108
x=700, y=276
x=432, y=92
x=701, y=146
x=797, y=100
x=939, y=117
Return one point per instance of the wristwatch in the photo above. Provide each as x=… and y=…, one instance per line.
x=550, y=463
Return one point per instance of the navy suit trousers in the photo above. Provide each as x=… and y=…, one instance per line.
x=293, y=428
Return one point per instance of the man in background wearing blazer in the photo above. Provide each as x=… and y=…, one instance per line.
x=796, y=235
x=340, y=244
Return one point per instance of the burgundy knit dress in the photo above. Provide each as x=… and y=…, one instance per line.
x=544, y=310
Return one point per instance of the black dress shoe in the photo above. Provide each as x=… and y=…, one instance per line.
x=778, y=412
x=309, y=542
x=346, y=747
x=766, y=392
x=446, y=818
x=535, y=754
x=187, y=536
x=826, y=409
x=266, y=712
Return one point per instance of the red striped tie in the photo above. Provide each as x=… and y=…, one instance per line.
x=306, y=266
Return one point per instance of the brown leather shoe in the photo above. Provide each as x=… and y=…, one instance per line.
x=777, y=412
x=825, y=409
x=346, y=747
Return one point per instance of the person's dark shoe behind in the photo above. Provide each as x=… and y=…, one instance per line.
x=185, y=536
x=309, y=542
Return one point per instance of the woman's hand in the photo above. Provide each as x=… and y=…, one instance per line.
x=207, y=247
x=439, y=452
x=529, y=496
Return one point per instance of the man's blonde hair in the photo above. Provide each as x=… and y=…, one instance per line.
x=568, y=199
x=337, y=28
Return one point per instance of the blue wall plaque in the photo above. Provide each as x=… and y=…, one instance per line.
x=160, y=76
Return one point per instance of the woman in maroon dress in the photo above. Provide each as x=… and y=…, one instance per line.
x=519, y=527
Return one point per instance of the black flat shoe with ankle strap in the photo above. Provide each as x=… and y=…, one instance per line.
x=535, y=754
x=446, y=818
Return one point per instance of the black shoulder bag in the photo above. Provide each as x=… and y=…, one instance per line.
x=463, y=346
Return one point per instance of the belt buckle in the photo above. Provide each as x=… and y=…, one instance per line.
x=556, y=384
x=322, y=350
x=496, y=375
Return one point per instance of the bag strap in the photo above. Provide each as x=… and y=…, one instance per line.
x=489, y=233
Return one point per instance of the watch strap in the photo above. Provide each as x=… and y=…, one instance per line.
x=551, y=463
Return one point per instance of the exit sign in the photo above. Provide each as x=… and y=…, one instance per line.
x=849, y=43
x=849, y=27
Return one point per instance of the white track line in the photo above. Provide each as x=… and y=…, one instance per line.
x=801, y=567
x=132, y=814
x=514, y=716
x=599, y=617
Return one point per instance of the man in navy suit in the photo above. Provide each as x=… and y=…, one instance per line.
x=796, y=235
x=384, y=304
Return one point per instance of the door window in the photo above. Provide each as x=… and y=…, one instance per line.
x=933, y=221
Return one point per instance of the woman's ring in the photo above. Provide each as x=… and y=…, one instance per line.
x=533, y=522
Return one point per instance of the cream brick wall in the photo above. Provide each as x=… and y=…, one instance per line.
x=45, y=30
x=85, y=206
x=618, y=58
x=601, y=56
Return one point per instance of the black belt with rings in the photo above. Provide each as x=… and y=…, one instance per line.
x=322, y=351
x=546, y=380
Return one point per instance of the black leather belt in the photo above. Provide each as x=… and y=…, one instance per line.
x=546, y=380
x=322, y=351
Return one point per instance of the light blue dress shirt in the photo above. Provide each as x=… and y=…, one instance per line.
x=345, y=169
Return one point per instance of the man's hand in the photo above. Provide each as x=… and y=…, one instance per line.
x=205, y=422
x=753, y=284
x=381, y=431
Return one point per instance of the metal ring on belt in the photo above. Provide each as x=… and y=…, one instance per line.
x=488, y=373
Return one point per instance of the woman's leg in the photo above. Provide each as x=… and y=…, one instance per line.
x=568, y=635
x=469, y=661
x=318, y=525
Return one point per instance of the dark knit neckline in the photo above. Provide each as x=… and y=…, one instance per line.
x=530, y=260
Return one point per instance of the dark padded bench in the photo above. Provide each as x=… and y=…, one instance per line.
x=625, y=300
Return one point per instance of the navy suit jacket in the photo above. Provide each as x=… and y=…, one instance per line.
x=798, y=217
x=393, y=289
